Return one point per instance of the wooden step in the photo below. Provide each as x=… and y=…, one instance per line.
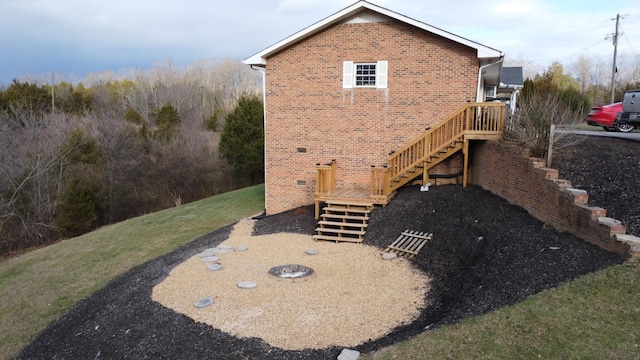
x=343, y=224
x=347, y=210
x=354, y=202
x=341, y=231
x=345, y=217
x=335, y=238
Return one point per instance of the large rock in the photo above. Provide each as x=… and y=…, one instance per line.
x=348, y=354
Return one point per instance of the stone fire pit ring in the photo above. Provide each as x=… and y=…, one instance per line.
x=290, y=271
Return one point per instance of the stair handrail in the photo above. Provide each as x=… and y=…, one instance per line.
x=470, y=118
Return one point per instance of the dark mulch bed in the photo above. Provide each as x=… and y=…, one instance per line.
x=608, y=169
x=515, y=257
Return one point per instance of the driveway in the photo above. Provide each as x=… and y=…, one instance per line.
x=634, y=136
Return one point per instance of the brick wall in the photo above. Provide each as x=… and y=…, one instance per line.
x=311, y=119
x=526, y=182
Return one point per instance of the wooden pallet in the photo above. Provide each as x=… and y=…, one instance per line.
x=409, y=243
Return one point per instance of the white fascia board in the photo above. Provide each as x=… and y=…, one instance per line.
x=260, y=59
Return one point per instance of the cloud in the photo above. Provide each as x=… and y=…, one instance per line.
x=63, y=35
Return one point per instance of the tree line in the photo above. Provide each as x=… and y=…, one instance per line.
x=74, y=157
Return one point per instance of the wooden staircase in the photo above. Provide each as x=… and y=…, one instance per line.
x=345, y=216
x=343, y=221
x=423, y=167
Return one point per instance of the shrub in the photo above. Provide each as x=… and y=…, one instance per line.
x=531, y=123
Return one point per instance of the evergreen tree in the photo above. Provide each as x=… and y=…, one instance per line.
x=242, y=140
x=167, y=122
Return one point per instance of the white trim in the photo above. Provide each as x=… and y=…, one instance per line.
x=483, y=52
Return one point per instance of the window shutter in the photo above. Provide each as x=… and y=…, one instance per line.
x=381, y=74
x=347, y=74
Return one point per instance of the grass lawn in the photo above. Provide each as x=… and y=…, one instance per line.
x=594, y=317
x=38, y=287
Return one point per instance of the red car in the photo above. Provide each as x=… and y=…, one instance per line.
x=604, y=115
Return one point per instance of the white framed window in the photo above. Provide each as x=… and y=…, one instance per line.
x=489, y=92
x=370, y=75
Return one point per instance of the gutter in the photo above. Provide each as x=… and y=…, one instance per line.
x=479, y=90
x=262, y=70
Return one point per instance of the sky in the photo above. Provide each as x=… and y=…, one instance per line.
x=73, y=38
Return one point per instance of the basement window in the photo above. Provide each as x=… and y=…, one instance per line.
x=301, y=150
x=301, y=182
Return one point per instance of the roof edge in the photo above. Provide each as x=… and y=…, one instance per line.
x=260, y=58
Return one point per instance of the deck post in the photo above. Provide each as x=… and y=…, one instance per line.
x=465, y=176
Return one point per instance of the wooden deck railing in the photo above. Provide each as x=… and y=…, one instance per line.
x=325, y=178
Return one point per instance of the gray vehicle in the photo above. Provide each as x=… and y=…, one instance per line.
x=629, y=118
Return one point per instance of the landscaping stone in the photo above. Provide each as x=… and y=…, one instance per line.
x=226, y=247
x=348, y=354
x=206, y=253
x=210, y=259
x=389, y=256
x=204, y=302
x=312, y=252
x=220, y=251
x=214, y=267
x=240, y=248
x=247, y=285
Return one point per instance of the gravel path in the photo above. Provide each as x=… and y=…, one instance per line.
x=485, y=254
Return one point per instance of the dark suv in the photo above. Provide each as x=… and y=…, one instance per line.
x=629, y=118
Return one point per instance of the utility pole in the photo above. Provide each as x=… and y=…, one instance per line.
x=53, y=98
x=615, y=54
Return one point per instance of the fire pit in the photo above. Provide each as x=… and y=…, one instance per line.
x=291, y=271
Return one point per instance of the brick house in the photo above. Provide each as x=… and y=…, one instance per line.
x=360, y=87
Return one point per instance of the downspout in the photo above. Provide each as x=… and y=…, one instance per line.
x=263, y=70
x=479, y=89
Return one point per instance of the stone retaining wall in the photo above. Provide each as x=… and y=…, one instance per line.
x=528, y=183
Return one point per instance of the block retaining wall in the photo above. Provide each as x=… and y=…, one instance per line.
x=527, y=182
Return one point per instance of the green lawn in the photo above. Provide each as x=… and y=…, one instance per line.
x=38, y=287
x=594, y=317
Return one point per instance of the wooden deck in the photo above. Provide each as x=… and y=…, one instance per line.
x=356, y=196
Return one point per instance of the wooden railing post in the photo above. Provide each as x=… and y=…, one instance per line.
x=325, y=178
x=380, y=182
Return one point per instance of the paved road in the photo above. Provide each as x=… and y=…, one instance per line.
x=634, y=136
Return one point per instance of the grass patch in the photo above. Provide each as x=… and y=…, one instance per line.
x=593, y=317
x=38, y=287
x=585, y=127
